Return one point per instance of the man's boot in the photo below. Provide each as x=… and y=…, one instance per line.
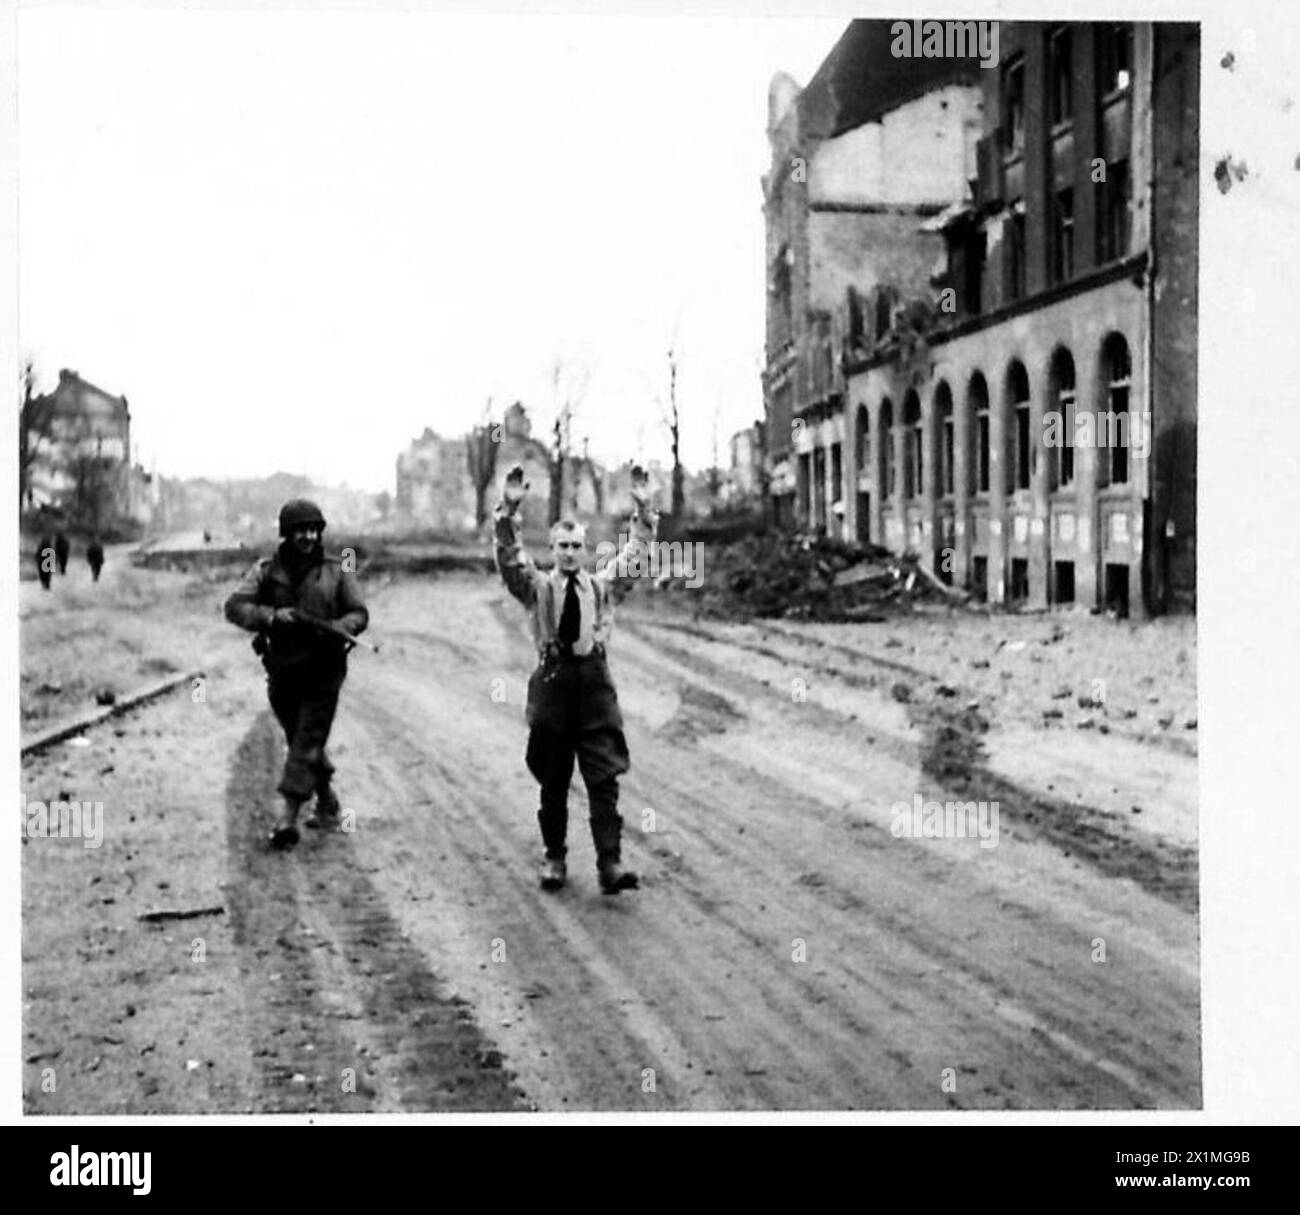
x=554, y=873
x=326, y=812
x=606, y=833
x=613, y=878
x=285, y=833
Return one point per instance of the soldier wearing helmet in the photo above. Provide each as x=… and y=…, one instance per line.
x=305, y=664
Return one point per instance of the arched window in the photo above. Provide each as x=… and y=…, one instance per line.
x=945, y=440
x=862, y=443
x=1060, y=429
x=1114, y=421
x=912, y=452
x=977, y=407
x=887, y=471
x=1017, y=433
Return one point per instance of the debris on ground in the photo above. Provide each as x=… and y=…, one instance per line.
x=805, y=577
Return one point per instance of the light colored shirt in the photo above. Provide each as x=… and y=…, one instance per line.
x=542, y=591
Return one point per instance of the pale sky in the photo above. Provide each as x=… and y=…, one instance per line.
x=295, y=239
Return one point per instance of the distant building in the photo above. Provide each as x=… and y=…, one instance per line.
x=435, y=489
x=433, y=486
x=83, y=465
x=745, y=476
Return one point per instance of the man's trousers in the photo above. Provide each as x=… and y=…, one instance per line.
x=573, y=714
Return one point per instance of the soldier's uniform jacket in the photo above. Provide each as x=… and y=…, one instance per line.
x=324, y=589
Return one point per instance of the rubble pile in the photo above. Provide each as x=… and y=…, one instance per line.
x=805, y=577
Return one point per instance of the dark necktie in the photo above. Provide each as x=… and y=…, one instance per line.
x=570, y=617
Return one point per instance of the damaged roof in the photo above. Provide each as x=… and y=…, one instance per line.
x=861, y=80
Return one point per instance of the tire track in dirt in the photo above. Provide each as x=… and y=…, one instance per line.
x=881, y=947
x=1065, y=1012
x=318, y=951
x=951, y=753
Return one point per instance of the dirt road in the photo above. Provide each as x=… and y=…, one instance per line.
x=787, y=950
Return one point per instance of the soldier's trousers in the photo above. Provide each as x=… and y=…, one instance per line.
x=305, y=709
x=573, y=714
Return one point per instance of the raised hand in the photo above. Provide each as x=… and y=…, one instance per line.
x=640, y=489
x=515, y=487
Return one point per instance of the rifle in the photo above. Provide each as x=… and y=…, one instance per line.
x=261, y=643
x=330, y=627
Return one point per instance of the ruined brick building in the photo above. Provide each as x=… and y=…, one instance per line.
x=872, y=147
x=82, y=465
x=434, y=487
x=1025, y=417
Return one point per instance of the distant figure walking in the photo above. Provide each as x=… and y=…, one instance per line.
x=45, y=559
x=61, y=550
x=95, y=555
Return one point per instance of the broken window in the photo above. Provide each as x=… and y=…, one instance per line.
x=1061, y=74
x=912, y=441
x=819, y=488
x=862, y=450
x=837, y=473
x=974, y=256
x=779, y=287
x=979, y=578
x=1114, y=57
x=1062, y=389
x=1016, y=250
x=1017, y=444
x=1013, y=105
x=884, y=312
x=887, y=447
x=977, y=407
x=1114, y=425
x=823, y=355
x=1063, y=236
x=855, y=324
x=1113, y=214
x=947, y=438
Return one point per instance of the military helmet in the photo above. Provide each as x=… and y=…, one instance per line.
x=300, y=513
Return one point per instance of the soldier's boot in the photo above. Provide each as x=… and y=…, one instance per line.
x=284, y=835
x=326, y=812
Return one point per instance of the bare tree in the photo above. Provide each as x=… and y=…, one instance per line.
x=597, y=476
x=35, y=424
x=569, y=387
x=672, y=420
x=481, y=448
x=715, y=472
